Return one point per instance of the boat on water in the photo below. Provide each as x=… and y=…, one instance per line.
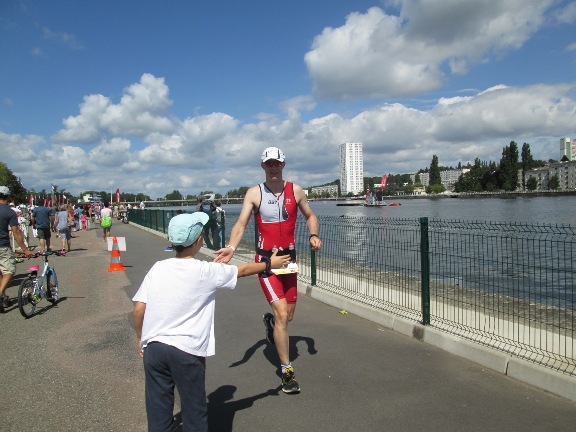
x=372, y=201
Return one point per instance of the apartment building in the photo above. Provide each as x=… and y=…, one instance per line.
x=565, y=171
x=351, y=168
x=447, y=177
x=332, y=190
x=568, y=148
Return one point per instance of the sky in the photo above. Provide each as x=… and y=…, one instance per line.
x=156, y=96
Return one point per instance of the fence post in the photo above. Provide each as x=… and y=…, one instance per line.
x=222, y=229
x=425, y=270
x=313, y=267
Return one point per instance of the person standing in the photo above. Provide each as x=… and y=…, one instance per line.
x=64, y=223
x=8, y=224
x=174, y=323
x=220, y=219
x=106, y=225
x=211, y=228
x=275, y=204
x=43, y=220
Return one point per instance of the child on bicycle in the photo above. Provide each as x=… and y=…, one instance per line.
x=174, y=322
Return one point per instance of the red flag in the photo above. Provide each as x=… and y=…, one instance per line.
x=384, y=178
x=31, y=200
x=117, y=196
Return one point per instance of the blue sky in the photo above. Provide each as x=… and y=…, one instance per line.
x=150, y=96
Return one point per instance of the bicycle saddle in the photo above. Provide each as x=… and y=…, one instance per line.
x=33, y=268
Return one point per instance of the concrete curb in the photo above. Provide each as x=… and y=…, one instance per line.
x=529, y=373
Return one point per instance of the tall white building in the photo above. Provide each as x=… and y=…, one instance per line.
x=351, y=168
x=568, y=148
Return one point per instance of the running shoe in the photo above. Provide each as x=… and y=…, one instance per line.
x=289, y=383
x=6, y=302
x=268, y=319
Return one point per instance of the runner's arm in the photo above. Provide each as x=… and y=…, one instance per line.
x=225, y=254
x=311, y=218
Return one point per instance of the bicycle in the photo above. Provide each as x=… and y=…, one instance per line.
x=34, y=288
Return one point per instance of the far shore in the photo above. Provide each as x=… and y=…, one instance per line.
x=501, y=195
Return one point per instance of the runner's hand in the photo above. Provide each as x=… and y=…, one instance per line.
x=223, y=255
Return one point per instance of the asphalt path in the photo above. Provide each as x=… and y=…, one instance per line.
x=74, y=366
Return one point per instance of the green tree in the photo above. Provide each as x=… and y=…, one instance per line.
x=7, y=178
x=527, y=161
x=435, y=172
x=435, y=188
x=553, y=182
x=174, y=195
x=508, y=172
x=532, y=184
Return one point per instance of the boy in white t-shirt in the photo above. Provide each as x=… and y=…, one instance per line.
x=174, y=322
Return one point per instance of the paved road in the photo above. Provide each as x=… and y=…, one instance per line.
x=74, y=367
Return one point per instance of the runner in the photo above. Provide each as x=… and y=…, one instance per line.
x=275, y=204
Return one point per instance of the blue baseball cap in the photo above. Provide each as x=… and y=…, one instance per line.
x=184, y=229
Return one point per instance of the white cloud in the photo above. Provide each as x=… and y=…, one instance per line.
x=142, y=111
x=217, y=152
x=64, y=38
x=376, y=55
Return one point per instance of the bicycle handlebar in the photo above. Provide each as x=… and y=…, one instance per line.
x=47, y=253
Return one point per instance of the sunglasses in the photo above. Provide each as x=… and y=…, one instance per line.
x=273, y=163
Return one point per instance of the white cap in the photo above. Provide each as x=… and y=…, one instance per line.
x=273, y=153
x=184, y=229
x=4, y=190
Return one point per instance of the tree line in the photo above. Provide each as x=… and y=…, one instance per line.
x=507, y=175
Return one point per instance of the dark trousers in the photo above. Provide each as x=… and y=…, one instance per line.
x=166, y=367
x=211, y=236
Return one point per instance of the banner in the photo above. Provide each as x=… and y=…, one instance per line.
x=384, y=178
x=117, y=196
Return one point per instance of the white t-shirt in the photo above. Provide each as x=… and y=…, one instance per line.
x=179, y=294
x=106, y=211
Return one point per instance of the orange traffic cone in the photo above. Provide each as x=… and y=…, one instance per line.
x=115, y=263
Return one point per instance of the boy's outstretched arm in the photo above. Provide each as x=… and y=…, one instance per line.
x=250, y=269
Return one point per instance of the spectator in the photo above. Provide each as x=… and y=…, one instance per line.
x=211, y=228
x=174, y=323
x=106, y=211
x=43, y=221
x=8, y=223
x=64, y=222
x=220, y=217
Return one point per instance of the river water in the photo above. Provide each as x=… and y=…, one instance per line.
x=514, y=268
x=556, y=210
x=536, y=210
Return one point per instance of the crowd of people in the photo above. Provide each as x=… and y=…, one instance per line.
x=175, y=340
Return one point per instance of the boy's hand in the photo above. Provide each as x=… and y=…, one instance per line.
x=279, y=261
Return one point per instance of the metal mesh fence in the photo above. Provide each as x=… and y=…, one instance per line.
x=504, y=285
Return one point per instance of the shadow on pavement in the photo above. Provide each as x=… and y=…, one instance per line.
x=271, y=354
